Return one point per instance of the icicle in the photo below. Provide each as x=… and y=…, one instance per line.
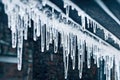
x=88, y=23
x=9, y=20
x=65, y=5
x=117, y=68
x=83, y=21
x=66, y=61
x=47, y=39
x=53, y=20
x=72, y=8
x=34, y=32
x=104, y=65
x=25, y=26
x=44, y=2
x=56, y=41
x=88, y=57
x=25, y=32
x=14, y=38
x=80, y=57
x=34, y=16
x=19, y=52
x=98, y=58
x=94, y=27
x=62, y=38
x=95, y=53
x=38, y=26
x=42, y=37
x=71, y=45
x=106, y=35
x=111, y=62
x=29, y=18
x=51, y=36
x=65, y=42
x=65, y=54
x=67, y=12
x=68, y=43
x=51, y=29
x=43, y=31
x=13, y=29
x=47, y=35
x=79, y=14
x=74, y=51
x=107, y=68
x=20, y=47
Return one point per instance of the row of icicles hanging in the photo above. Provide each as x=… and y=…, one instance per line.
x=47, y=26
x=92, y=22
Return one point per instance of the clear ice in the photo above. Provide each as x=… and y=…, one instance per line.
x=72, y=38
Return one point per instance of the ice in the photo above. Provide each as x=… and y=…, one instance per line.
x=25, y=32
x=51, y=35
x=19, y=48
x=56, y=41
x=38, y=26
x=25, y=26
x=47, y=36
x=74, y=40
x=91, y=23
x=9, y=20
x=72, y=47
x=74, y=51
x=65, y=5
x=88, y=23
x=106, y=35
x=79, y=13
x=104, y=66
x=29, y=19
x=66, y=62
x=67, y=11
x=35, y=32
x=72, y=8
x=14, y=39
x=83, y=20
x=80, y=57
x=89, y=51
x=44, y=2
x=42, y=37
x=94, y=27
x=19, y=51
x=13, y=29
